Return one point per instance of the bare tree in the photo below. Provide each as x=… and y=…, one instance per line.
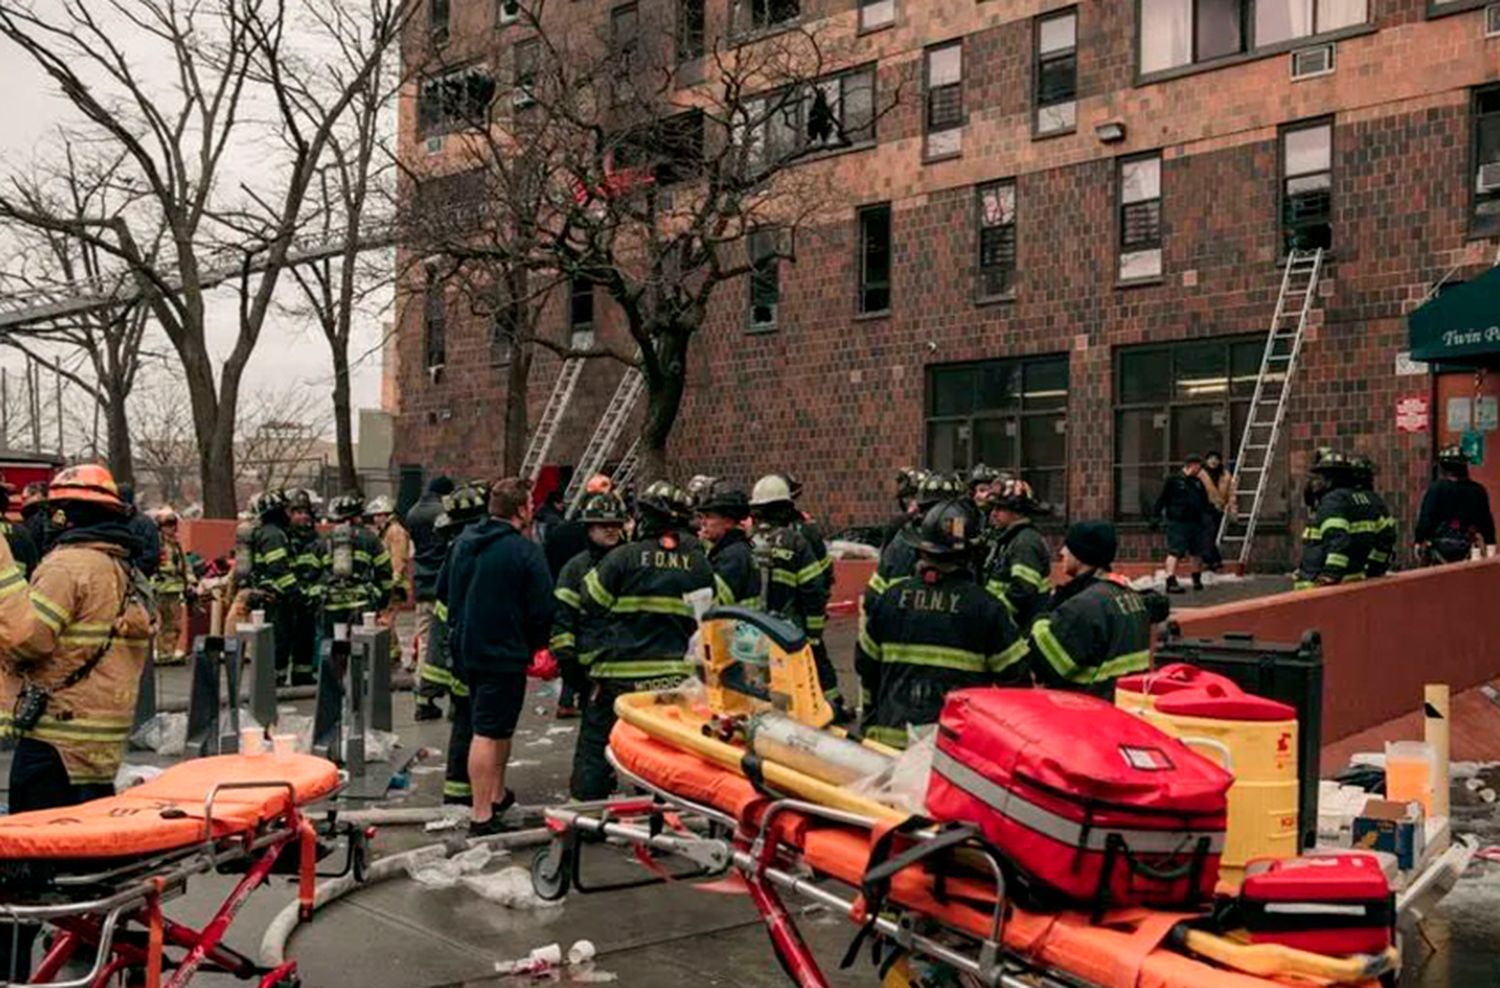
x=110, y=340
x=659, y=189
x=281, y=432
x=165, y=457
x=176, y=141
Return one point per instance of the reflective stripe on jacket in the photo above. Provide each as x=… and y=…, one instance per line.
x=1094, y=631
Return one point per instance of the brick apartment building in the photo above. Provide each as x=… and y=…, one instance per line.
x=1061, y=252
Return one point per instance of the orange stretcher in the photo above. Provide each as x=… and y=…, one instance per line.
x=963, y=920
x=94, y=876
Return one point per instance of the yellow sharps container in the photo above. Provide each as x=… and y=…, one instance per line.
x=1261, y=738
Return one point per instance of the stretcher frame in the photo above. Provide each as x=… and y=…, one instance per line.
x=135, y=892
x=770, y=867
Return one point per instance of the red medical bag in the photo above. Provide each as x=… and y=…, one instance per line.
x=1329, y=904
x=1091, y=803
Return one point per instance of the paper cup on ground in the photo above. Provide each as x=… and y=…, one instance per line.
x=550, y=955
x=284, y=745
x=581, y=952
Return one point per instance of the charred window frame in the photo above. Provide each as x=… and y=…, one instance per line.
x=835, y=112
x=996, y=261
x=765, y=250
x=526, y=61
x=580, y=305
x=456, y=100
x=874, y=261
x=691, y=29
x=439, y=21
x=434, y=321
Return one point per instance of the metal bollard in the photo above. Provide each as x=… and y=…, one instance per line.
x=216, y=665
x=328, y=710
x=258, y=638
x=375, y=642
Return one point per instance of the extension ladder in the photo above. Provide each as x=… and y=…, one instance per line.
x=1273, y=387
x=552, y=415
x=606, y=434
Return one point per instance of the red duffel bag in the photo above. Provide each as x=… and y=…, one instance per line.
x=1093, y=805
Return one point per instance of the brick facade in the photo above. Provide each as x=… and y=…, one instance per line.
x=839, y=399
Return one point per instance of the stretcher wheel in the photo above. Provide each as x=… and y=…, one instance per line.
x=552, y=872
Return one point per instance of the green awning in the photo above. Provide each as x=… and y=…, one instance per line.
x=1460, y=324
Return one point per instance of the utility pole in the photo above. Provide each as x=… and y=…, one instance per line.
x=33, y=405
x=4, y=408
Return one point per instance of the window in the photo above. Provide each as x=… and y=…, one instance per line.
x=437, y=20
x=690, y=29
x=1010, y=414
x=454, y=100
x=761, y=15
x=838, y=111
x=945, y=100
x=1174, y=33
x=1307, y=191
x=1140, y=217
x=765, y=278
x=876, y=13
x=1278, y=21
x=1175, y=399
x=670, y=150
x=1057, y=72
x=434, y=322
x=580, y=305
x=875, y=258
x=447, y=204
x=997, y=241
x=507, y=12
x=502, y=338
x=1486, y=162
x=527, y=54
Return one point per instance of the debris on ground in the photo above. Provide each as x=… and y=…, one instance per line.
x=510, y=887
x=434, y=870
x=165, y=734
x=549, y=961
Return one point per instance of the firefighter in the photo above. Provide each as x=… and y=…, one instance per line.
x=23, y=548
x=356, y=566
x=1336, y=545
x=793, y=580
x=899, y=558
x=1019, y=568
x=604, y=514
x=381, y=513
x=1095, y=628
x=428, y=549
x=721, y=526
x=934, y=632
x=981, y=480
x=697, y=489
x=73, y=659
x=36, y=518
x=263, y=576
x=636, y=626
x=465, y=506
x=1455, y=514
x=305, y=601
x=908, y=482
x=817, y=624
x=1381, y=524
x=173, y=583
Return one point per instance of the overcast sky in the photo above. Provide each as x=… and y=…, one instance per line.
x=289, y=353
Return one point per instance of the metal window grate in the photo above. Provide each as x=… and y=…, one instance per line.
x=945, y=107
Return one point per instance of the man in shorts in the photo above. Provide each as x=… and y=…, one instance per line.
x=499, y=613
x=1183, y=505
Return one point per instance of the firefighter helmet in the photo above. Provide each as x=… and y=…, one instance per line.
x=602, y=509
x=699, y=486
x=982, y=475
x=346, y=507
x=667, y=500
x=88, y=483
x=1329, y=460
x=1363, y=467
x=1016, y=495
x=467, y=502
x=935, y=488
x=950, y=528
x=299, y=500
x=793, y=484
x=380, y=506
x=270, y=502
x=770, y=489
x=1453, y=455
x=726, y=500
